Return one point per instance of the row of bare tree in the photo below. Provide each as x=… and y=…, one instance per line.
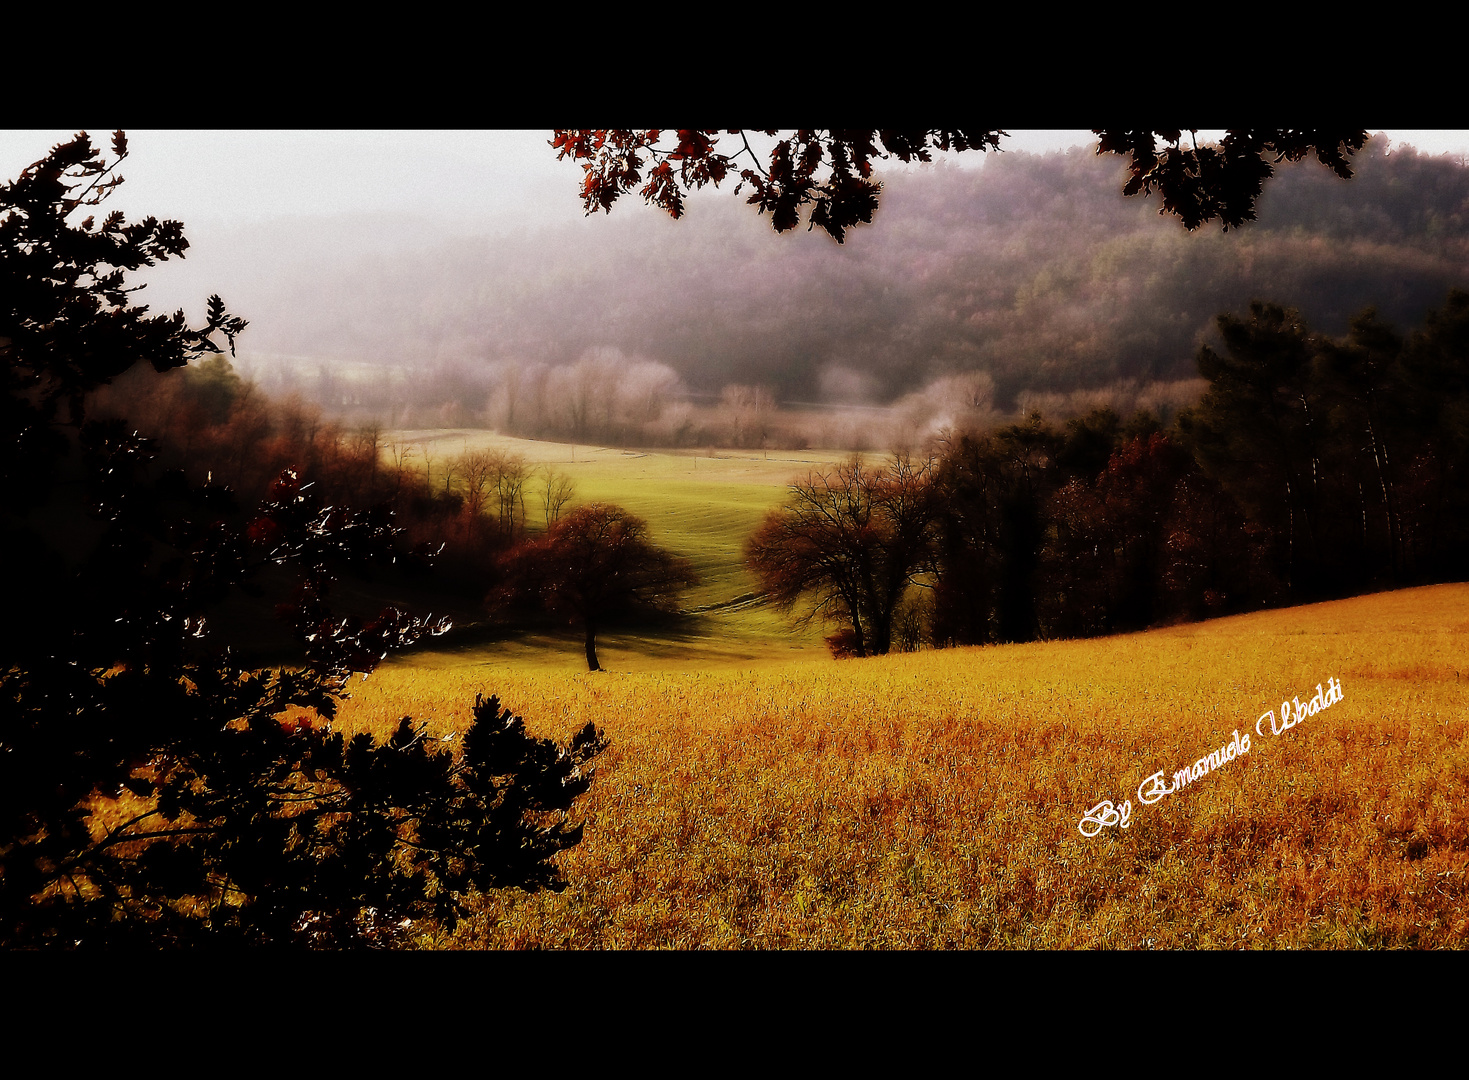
x=603, y=395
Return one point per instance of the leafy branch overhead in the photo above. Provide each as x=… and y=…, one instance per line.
x=1201, y=183
x=831, y=171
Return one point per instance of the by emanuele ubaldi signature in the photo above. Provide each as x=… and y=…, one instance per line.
x=1156, y=787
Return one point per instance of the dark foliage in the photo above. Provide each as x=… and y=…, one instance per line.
x=155, y=789
x=1313, y=468
x=1147, y=540
x=831, y=171
x=1350, y=454
x=1198, y=184
x=993, y=491
x=220, y=429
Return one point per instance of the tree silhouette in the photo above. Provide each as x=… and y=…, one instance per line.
x=1261, y=429
x=557, y=489
x=849, y=541
x=993, y=491
x=593, y=565
x=831, y=170
x=156, y=789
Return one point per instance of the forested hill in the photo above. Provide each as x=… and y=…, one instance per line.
x=1033, y=268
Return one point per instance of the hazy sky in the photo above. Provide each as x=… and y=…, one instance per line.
x=455, y=182
x=475, y=178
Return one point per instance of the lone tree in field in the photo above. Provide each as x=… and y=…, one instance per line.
x=849, y=541
x=154, y=789
x=831, y=170
x=595, y=565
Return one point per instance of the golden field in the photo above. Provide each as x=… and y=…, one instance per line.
x=932, y=800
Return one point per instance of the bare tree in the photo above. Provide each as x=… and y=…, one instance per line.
x=749, y=409
x=557, y=490
x=510, y=378
x=451, y=469
x=644, y=388
x=511, y=474
x=400, y=454
x=477, y=470
x=498, y=475
x=586, y=391
x=367, y=443
x=516, y=402
x=850, y=541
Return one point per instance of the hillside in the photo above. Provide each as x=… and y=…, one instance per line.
x=1033, y=269
x=933, y=800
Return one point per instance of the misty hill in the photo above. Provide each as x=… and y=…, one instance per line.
x=1033, y=269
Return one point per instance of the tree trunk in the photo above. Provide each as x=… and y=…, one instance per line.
x=881, y=637
x=592, y=664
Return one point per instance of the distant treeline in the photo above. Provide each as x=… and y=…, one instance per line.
x=1032, y=271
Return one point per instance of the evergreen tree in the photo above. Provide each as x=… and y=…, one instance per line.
x=1259, y=430
x=155, y=789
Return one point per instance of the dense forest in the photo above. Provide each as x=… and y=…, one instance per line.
x=1314, y=467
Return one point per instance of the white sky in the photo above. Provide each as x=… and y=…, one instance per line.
x=477, y=178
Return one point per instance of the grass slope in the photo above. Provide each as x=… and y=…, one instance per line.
x=932, y=800
x=697, y=505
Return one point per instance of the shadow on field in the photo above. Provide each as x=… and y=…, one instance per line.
x=707, y=636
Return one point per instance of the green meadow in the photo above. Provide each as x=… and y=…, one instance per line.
x=701, y=505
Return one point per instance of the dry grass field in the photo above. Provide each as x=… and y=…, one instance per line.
x=932, y=800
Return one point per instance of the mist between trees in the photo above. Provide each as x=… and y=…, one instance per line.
x=608, y=397
x=462, y=507
x=1298, y=466
x=1029, y=275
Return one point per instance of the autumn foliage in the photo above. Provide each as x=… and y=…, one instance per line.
x=593, y=565
x=831, y=171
